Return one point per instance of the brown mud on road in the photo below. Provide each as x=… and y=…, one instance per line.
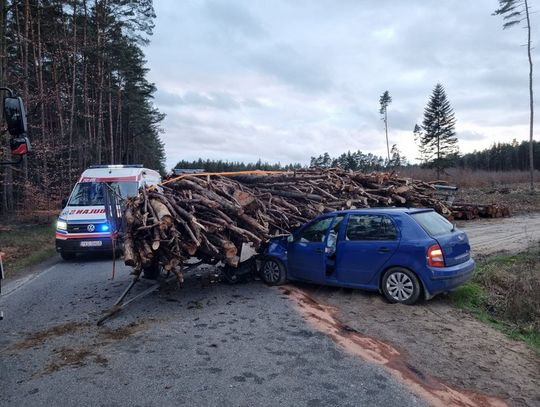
x=435, y=349
x=74, y=344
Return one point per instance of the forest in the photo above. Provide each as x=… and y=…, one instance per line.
x=499, y=157
x=502, y=157
x=79, y=66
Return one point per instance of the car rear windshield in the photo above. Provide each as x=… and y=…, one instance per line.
x=91, y=193
x=433, y=223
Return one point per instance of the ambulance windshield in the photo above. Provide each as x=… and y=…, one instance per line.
x=91, y=193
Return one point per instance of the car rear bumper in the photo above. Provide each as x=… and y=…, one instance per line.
x=445, y=279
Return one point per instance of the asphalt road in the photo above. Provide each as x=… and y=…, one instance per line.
x=207, y=344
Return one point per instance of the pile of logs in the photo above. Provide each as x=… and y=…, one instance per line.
x=210, y=217
x=465, y=211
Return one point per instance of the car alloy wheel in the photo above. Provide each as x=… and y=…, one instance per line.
x=273, y=272
x=400, y=286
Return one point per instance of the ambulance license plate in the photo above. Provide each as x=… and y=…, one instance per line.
x=91, y=243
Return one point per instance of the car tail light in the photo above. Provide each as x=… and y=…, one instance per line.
x=435, y=256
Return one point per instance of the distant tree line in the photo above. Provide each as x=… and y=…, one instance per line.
x=499, y=157
x=502, y=157
x=359, y=161
x=224, y=165
x=80, y=68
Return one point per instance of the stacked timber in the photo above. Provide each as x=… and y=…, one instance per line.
x=468, y=211
x=210, y=217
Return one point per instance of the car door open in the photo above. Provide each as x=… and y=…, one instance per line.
x=307, y=252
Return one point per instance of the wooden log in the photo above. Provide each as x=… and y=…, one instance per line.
x=130, y=257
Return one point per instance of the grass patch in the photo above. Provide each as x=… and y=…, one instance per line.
x=26, y=245
x=504, y=293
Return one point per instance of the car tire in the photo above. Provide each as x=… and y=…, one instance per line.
x=68, y=255
x=273, y=272
x=400, y=285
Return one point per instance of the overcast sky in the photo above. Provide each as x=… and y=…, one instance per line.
x=285, y=80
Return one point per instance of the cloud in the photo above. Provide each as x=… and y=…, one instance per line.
x=233, y=20
x=290, y=67
x=216, y=100
x=282, y=80
x=470, y=135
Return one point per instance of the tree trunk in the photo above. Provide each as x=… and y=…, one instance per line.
x=386, y=132
x=73, y=89
x=111, y=133
x=531, y=98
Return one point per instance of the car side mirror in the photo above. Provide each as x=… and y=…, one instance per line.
x=290, y=238
x=15, y=115
x=20, y=146
x=64, y=203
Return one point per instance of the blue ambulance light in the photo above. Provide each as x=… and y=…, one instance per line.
x=104, y=228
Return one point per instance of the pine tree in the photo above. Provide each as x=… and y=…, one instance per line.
x=397, y=159
x=384, y=101
x=437, y=138
x=515, y=12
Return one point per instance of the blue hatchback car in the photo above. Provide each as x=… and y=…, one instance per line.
x=404, y=253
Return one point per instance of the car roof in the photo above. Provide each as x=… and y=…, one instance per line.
x=118, y=173
x=381, y=210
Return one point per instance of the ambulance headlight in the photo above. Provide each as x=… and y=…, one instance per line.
x=61, y=225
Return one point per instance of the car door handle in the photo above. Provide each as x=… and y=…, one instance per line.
x=319, y=250
x=383, y=250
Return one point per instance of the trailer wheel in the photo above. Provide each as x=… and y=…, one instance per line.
x=152, y=272
x=273, y=272
x=230, y=275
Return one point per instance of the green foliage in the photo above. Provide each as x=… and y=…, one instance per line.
x=221, y=165
x=437, y=136
x=350, y=161
x=397, y=159
x=504, y=293
x=384, y=101
x=470, y=296
x=26, y=245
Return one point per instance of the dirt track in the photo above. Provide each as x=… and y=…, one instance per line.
x=438, y=340
x=488, y=236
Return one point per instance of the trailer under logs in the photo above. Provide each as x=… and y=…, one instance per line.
x=211, y=216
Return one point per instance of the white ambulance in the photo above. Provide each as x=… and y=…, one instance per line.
x=82, y=224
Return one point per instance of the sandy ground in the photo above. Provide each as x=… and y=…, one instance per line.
x=440, y=341
x=488, y=236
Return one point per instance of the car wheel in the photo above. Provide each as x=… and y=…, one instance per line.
x=273, y=272
x=68, y=255
x=400, y=285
